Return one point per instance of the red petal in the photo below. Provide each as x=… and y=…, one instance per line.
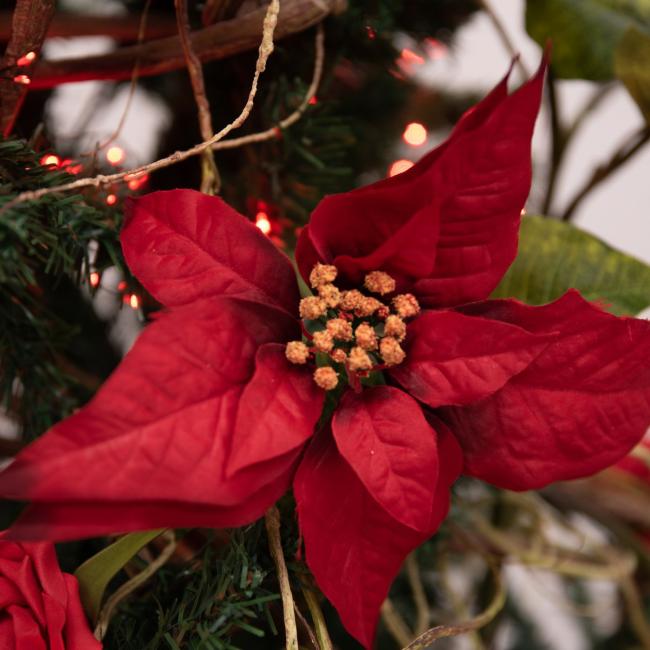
x=77, y=633
x=456, y=359
x=159, y=430
x=353, y=546
x=277, y=410
x=184, y=245
x=578, y=408
x=384, y=437
x=453, y=218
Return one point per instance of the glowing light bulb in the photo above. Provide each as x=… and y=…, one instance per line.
x=523, y=212
x=415, y=134
x=94, y=279
x=26, y=59
x=136, y=182
x=22, y=79
x=122, y=285
x=111, y=199
x=399, y=166
x=115, y=155
x=313, y=101
x=263, y=223
x=50, y=159
x=134, y=301
x=409, y=56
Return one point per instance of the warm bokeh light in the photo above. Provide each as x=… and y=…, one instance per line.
x=523, y=212
x=313, y=101
x=122, y=285
x=436, y=49
x=134, y=301
x=414, y=134
x=136, y=182
x=26, y=59
x=115, y=155
x=50, y=159
x=111, y=199
x=94, y=279
x=263, y=223
x=409, y=56
x=399, y=166
x=22, y=79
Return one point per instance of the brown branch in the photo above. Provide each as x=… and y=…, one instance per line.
x=162, y=55
x=210, y=180
x=28, y=27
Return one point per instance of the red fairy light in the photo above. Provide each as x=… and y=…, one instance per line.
x=399, y=166
x=409, y=56
x=263, y=222
x=111, y=199
x=436, y=49
x=122, y=285
x=313, y=101
x=136, y=182
x=115, y=155
x=22, y=79
x=50, y=159
x=415, y=134
x=371, y=33
x=94, y=279
x=26, y=59
x=72, y=169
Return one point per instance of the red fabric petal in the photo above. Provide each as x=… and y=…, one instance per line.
x=453, y=358
x=160, y=429
x=27, y=633
x=77, y=633
x=353, y=546
x=578, y=408
x=453, y=218
x=383, y=436
x=184, y=245
x=277, y=411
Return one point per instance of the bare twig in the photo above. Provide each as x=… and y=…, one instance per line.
x=419, y=596
x=29, y=24
x=128, y=587
x=217, y=41
x=626, y=151
x=272, y=521
x=442, y=631
x=210, y=181
x=635, y=607
x=504, y=36
x=394, y=623
x=322, y=635
x=265, y=49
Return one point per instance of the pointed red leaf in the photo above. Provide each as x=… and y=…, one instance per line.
x=277, y=411
x=578, y=408
x=184, y=245
x=159, y=430
x=452, y=358
x=353, y=546
x=385, y=439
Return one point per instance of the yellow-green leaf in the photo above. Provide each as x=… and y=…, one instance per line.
x=555, y=256
x=632, y=65
x=96, y=572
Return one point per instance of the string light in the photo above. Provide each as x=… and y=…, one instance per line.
x=122, y=285
x=22, y=79
x=115, y=155
x=399, y=166
x=50, y=159
x=523, y=212
x=313, y=101
x=136, y=182
x=436, y=49
x=134, y=301
x=26, y=59
x=371, y=33
x=409, y=56
x=414, y=134
x=94, y=279
x=111, y=199
x=263, y=222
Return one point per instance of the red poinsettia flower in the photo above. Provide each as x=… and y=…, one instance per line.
x=39, y=605
x=211, y=417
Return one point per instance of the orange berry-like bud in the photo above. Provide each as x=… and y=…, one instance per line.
x=350, y=300
x=395, y=327
x=406, y=305
x=365, y=336
x=322, y=274
x=297, y=352
x=367, y=307
x=340, y=329
x=379, y=282
x=312, y=307
x=323, y=341
x=330, y=294
x=339, y=355
x=326, y=377
x=359, y=360
x=391, y=351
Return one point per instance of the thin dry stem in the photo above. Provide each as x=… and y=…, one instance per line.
x=322, y=635
x=128, y=587
x=272, y=521
x=419, y=596
x=265, y=50
x=210, y=180
x=395, y=624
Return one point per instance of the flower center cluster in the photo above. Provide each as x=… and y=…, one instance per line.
x=349, y=334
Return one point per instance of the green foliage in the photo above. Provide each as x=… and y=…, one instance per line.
x=44, y=247
x=632, y=65
x=556, y=256
x=96, y=572
x=585, y=33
